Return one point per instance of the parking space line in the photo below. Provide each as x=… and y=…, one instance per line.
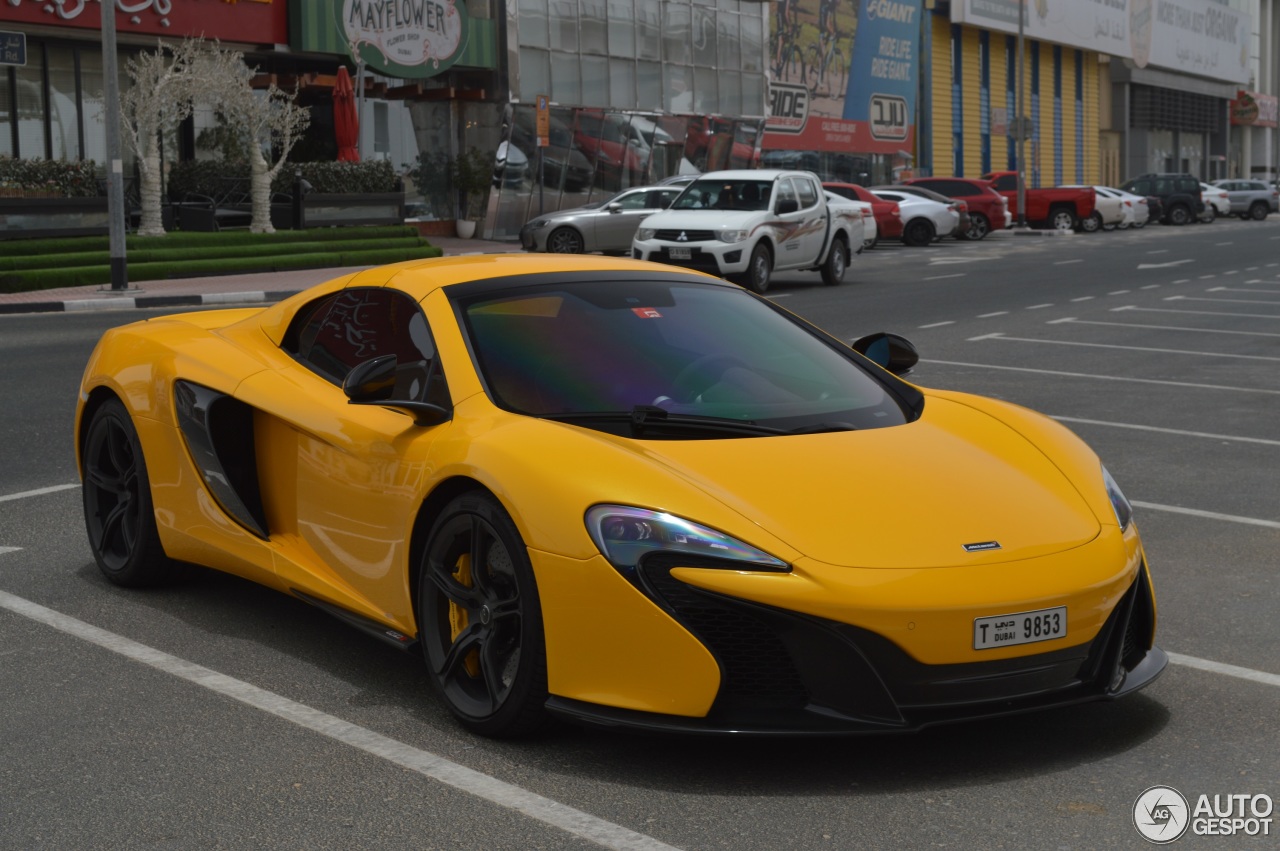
x=989, y=315
x=1176, y=431
x=1197, y=312
x=1162, y=327
x=1038, y=307
x=1241, y=290
x=1224, y=243
x=1225, y=669
x=507, y=795
x=1206, y=277
x=1095, y=377
x=1130, y=348
x=37, y=492
x=1208, y=515
x=1083, y=298
x=1118, y=292
x=1067, y=262
x=1159, y=251
x=941, y=277
x=938, y=324
x=1182, y=280
x=1219, y=300
x=4, y=550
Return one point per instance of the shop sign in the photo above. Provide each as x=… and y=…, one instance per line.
x=1201, y=37
x=172, y=18
x=13, y=48
x=1254, y=109
x=404, y=38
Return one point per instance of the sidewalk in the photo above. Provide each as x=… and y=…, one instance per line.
x=215, y=289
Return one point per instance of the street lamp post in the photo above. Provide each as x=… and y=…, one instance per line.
x=115, y=169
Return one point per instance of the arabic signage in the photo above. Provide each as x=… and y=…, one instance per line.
x=174, y=18
x=1254, y=109
x=1198, y=37
x=866, y=102
x=13, y=48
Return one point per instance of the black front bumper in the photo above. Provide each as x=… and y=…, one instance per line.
x=783, y=673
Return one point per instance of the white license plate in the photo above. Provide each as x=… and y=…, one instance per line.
x=1019, y=628
x=680, y=253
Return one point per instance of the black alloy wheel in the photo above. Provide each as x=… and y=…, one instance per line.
x=118, y=512
x=565, y=240
x=1259, y=210
x=918, y=232
x=1179, y=215
x=480, y=620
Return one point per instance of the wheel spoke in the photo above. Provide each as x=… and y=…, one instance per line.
x=119, y=451
x=505, y=609
x=491, y=665
x=482, y=542
x=98, y=477
x=442, y=578
x=471, y=638
x=114, y=530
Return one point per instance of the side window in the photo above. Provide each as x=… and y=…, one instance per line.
x=808, y=193
x=785, y=191
x=337, y=332
x=634, y=201
x=1007, y=183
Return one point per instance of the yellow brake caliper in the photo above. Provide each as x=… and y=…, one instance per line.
x=458, y=618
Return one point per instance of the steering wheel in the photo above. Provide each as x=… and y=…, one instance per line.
x=701, y=374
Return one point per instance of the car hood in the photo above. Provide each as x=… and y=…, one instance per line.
x=709, y=219
x=910, y=496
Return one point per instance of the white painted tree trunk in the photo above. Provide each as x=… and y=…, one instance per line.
x=151, y=223
x=260, y=187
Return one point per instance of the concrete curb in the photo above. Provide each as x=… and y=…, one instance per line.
x=79, y=305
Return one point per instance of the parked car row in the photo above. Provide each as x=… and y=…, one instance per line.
x=923, y=210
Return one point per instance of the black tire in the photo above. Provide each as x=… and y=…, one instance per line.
x=481, y=628
x=1114, y=226
x=1209, y=215
x=564, y=240
x=836, y=264
x=867, y=246
x=1091, y=223
x=759, y=270
x=1179, y=214
x=1258, y=210
x=918, y=232
x=1062, y=218
x=979, y=227
x=118, y=512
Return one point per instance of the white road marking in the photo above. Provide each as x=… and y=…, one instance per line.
x=1084, y=298
x=1219, y=300
x=1168, y=265
x=941, y=277
x=1241, y=290
x=37, y=492
x=1163, y=327
x=989, y=315
x=937, y=324
x=1207, y=277
x=1095, y=377
x=1182, y=280
x=1224, y=243
x=1037, y=307
x=431, y=765
x=1118, y=292
x=1198, y=312
x=1225, y=669
x=1231, y=272
x=4, y=550
x=779, y=295
x=1060, y=321
x=1180, y=432
x=1159, y=251
x=1150, y=287
x=1067, y=262
x=1131, y=348
x=1251, y=268
x=1208, y=515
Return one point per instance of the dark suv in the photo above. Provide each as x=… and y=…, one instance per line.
x=1179, y=192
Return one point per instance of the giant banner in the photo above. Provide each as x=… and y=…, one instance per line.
x=1198, y=37
x=843, y=76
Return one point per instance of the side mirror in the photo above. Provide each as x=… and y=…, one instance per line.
x=373, y=383
x=614, y=207
x=895, y=353
x=788, y=205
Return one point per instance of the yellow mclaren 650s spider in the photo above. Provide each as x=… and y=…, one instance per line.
x=623, y=494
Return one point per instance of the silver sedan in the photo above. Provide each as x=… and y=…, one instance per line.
x=606, y=226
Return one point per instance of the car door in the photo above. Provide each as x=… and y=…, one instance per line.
x=616, y=224
x=342, y=482
x=807, y=243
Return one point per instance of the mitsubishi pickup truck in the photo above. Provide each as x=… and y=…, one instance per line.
x=1060, y=208
x=745, y=225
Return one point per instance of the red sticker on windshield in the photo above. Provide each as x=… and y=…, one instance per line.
x=646, y=313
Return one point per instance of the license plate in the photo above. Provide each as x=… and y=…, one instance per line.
x=680, y=253
x=1019, y=628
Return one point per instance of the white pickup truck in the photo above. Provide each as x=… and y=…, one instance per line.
x=743, y=225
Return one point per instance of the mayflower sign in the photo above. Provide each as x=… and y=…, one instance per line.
x=404, y=38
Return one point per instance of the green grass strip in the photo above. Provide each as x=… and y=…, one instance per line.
x=184, y=239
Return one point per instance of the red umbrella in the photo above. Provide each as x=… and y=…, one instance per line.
x=346, y=124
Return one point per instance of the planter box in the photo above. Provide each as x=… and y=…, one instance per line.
x=32, y=217
x=370, y=208
x=438, y=227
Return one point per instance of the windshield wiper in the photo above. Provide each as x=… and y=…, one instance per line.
x=818, y=428
x=644, y=417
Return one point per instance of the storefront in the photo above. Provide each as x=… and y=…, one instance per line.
x=1171, y=67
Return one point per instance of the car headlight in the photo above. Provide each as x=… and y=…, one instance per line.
x=732, y=235
x=625, y=535
x=645, y=233
x=536, y=224
x=1121, y=506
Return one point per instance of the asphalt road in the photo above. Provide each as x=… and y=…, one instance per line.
x=216, y=714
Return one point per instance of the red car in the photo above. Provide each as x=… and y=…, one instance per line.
x=888, y=218
x=988, y=209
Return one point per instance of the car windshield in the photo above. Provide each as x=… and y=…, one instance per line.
x=725, y=195
x=606, y=353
